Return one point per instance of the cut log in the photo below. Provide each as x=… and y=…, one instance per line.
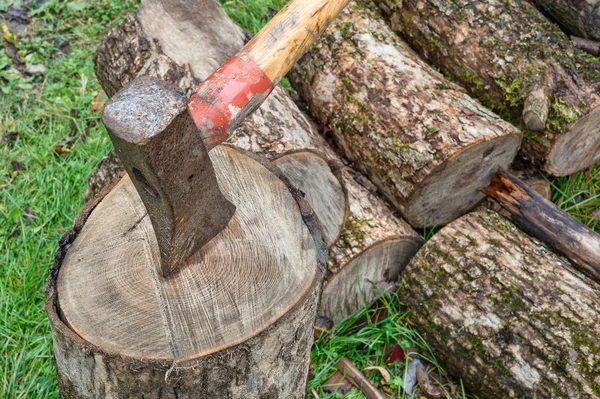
x=590, y=46
x=236, y=321
x=421, y=139
x=373, y=245
x=504, y=313
x=366, y=241
x=517, y=63
x=581, y=18
x=540, y=218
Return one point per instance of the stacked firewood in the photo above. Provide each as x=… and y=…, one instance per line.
x=418, y=103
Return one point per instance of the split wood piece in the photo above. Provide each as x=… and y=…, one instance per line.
x=236, y=321
x=540, y=218
x=421, y=139
x=581, y=18
x=350, y=372
x=517, y=63
x=504, y=313
x=373, y=243
x=533, y=179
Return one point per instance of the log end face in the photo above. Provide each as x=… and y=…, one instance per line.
x=453, y=189
x=578, y=149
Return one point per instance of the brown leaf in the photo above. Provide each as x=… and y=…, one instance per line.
x=323, y=326
x=13, y=53
x=66, y=141
x=9, y=137
x=28, y=214
x=337, y=383
x=596, y=214
x=18, y=166
x=61, y=150
x=99, y=101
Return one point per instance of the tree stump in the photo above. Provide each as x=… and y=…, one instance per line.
x=504, y=313
x=421, y=139
x=517, y=63
x=360, y=229
x=236, y=321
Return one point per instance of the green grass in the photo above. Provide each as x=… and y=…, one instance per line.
x=38, y=204
x=362, y=342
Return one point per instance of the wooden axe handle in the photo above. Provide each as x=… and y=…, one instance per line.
x=220, y=103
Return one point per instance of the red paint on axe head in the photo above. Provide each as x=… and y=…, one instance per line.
x=221, y=102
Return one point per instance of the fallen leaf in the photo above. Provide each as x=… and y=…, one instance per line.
x=323, y=326
x=396, y=355
x=13, y=53
x=596, y=214
x=99, y=101
x=271, y=12
x=384, y=373
x=9, y=137
x=66, y=141
x=581, y=197
x=10, y=37
x=18, y=14
x=36, y=69
x=337, y=383
x=28, y=214
x=410, y=376
x=429, y=384
x=18, y=166
x=61, y=150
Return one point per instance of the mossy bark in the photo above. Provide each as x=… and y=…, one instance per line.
x=517, y=63
x=277, y=127
x=422, y=140
x=504, y=313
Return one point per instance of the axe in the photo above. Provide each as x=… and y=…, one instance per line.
x=164, y=140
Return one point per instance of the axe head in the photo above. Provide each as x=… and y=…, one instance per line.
x=167, y=160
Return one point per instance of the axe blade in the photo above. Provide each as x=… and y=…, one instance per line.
x=167, y=160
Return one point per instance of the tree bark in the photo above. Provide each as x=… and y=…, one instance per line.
x=517, y=63
x=236, y=321
x=543, y=220
x=424, y=143
x=504, y=313
x=581, y=18
x=367, y=241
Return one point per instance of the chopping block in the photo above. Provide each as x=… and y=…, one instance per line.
x=198, y=273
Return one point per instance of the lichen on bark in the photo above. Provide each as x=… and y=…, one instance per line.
x=506, y=314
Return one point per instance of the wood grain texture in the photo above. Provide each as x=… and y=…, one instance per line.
x=504, y=312
x=515, y=61
x=540, y=218
x=290, y=34
x=320, y=182
x=276, y=128
x=422, y=140
x=259, y=267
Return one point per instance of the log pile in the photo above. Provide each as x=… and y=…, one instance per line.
x=420, y=138
x=499, y=309
x=365, y=238
x=517, y=63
